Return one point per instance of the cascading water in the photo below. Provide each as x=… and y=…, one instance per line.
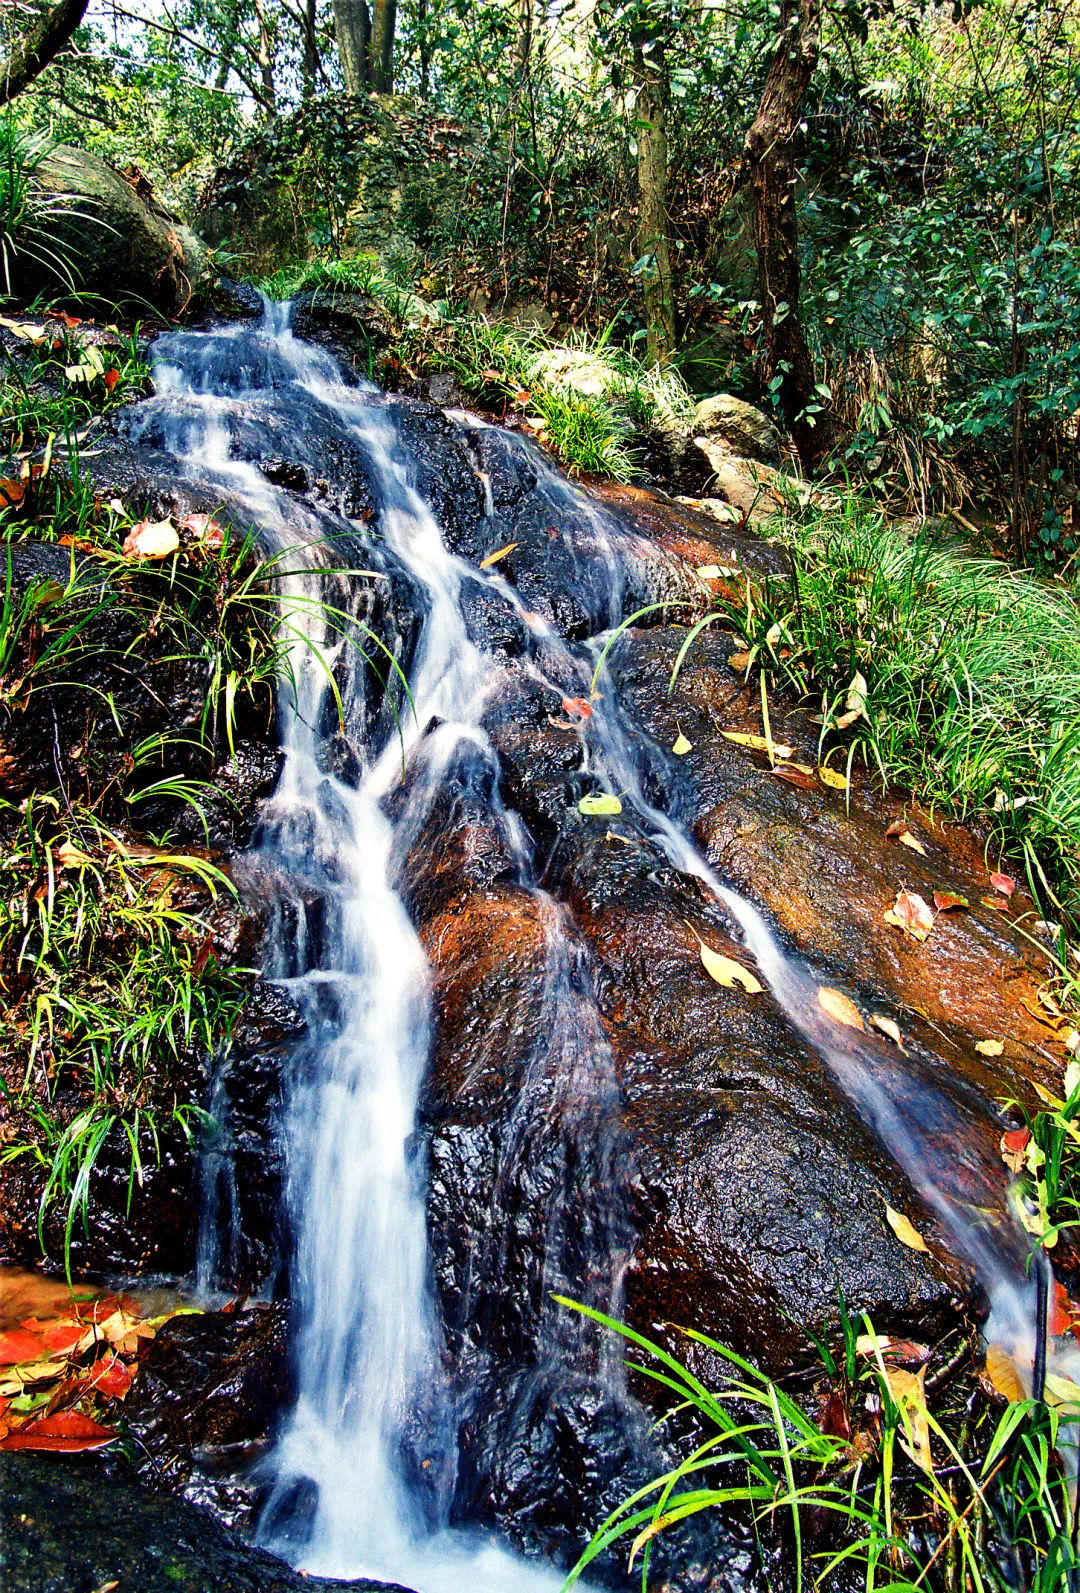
x=364, y=1470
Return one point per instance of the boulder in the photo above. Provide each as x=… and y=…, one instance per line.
x=109, y=235
x=745, y=430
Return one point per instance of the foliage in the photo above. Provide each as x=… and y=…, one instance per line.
x=972, y=675
x=112, y=993
x=853, y=1495
x=25, y=210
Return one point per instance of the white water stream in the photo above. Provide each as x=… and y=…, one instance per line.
x=365, y=1466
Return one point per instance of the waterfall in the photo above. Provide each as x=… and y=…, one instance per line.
x=364, y=1470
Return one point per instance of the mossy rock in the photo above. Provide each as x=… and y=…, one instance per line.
x=108, y=235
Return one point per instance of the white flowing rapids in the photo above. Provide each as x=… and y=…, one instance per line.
x=364, y=1468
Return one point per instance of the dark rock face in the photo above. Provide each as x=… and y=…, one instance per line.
x=204, y=1404
x=66, y=1526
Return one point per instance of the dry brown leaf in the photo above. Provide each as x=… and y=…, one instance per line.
x=904, y=1230
x=740, y=662
x=908, y=839
x=840, y=1008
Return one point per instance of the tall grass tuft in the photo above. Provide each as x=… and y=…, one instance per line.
x=972, y=674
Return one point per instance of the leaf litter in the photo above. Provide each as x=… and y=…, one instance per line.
x=61, y=1377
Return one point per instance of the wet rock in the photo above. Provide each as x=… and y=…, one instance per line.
x=153, y=1233
x=244, y=1153
x=204, y=1404
x=744, y=429
x=67, y=1526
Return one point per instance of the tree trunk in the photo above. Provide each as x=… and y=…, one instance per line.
x=266, y=58
x=382, y=45
x=770, y=152
x=32, y=53
x=352, y=24
x=309, y=70
x=228, y=47
x=654, y=247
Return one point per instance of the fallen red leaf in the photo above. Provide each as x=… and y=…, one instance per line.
x=62, y=1339
x=204, y=954
x=62, y=315
x=577, y=707
x=111, y=1377
x=63, y=1430
x=795, y=777
x=19, y=1345
x=1015, y=1139
x=996, y=903
x=12, y=493
x=110, y=378
x=833, y=1415
x=1002, y=883
x=945, y=901
x=1059, y=1317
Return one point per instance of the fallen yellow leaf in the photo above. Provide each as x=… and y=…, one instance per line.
x=758, y=743
x=499, y=553
x=726, y=971
x=907, y=1390
x=989, y=1047
x=887, y=1026
x=832, y=778
x=680, y=746
x=904, y=1230
x=1002, y=1374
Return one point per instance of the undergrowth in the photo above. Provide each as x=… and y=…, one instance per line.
x=949, y=674
x=512, y=369
x=872, y=1482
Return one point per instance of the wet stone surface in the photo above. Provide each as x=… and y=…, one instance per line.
x=598, y=1118
x=66, y=1526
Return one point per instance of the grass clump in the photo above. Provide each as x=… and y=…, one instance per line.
x=27, y=212
x=864, y=1486
x=112, y=992
x=952, y=674
x=65, y=375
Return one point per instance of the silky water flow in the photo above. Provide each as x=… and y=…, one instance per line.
x=364, y=1469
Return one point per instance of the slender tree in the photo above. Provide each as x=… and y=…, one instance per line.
x=770, y=153
x=42, y=41
x=382, y=45
x=654, y=245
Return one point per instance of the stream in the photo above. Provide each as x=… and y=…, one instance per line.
x=365, y=1479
